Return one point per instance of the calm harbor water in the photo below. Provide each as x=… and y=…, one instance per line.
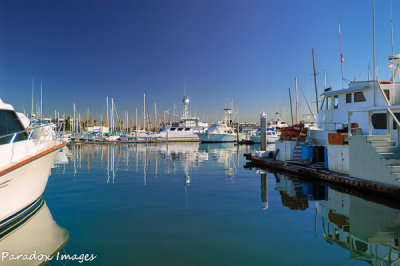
x=195, y=204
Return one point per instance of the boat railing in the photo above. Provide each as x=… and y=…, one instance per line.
x=40, y=134
x=391, y=120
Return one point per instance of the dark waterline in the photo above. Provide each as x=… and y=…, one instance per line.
x=179, y=204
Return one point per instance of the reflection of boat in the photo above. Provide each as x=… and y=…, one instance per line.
x=25, y=162
x=369, y=231
x=35, y=233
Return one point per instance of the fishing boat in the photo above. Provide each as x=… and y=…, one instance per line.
x=186, y=129
x=359, y=129
x=272, y=136
x=220, y=132
x=277, y=123
x=26, y=157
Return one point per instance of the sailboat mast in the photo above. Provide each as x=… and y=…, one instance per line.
x=41, y=100
x=112, y=115
x=341, y=56
x=290, y=100
x=144, y=111
x=107, y=114
x=87, y=120
x=155, y=114
x=74, y=122
x=315, y=80
x=33, y=86
x=297, y=102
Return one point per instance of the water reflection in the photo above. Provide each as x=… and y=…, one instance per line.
x=367, y=230
x=35, y=233
x=150, y=159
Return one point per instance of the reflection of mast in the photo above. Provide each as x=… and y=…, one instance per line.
x=145, y=167
x=111, y=164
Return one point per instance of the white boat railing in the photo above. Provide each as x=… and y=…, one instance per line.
x=390, y=118
x=12, y=148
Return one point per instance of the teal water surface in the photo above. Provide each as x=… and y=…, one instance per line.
x=196, y=204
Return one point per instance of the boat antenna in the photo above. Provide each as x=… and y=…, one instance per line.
x=391, y=31
x=33, y=87
x=391, y=23
x=341, y=55
x=373, y=46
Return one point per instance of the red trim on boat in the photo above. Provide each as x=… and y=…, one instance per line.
x=18, y=165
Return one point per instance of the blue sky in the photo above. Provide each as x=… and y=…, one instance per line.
x=245, y=51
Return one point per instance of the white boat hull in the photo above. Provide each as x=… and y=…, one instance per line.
x=171, y=136
x=210, y=137
x=270, y=139
x=22, y=183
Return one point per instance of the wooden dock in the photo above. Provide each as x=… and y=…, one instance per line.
x=389, y=192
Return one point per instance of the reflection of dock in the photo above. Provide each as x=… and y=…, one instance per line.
x=386, y=192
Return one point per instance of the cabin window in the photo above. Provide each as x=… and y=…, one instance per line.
x=397, y=115
x=379, y=121
x=9, y=124
x=387, y=93
x=329, y=102
x=180, y=129
x=336, y=101
x=187, y=129
x=359, y=97
x=173, y=129
x=348, y=97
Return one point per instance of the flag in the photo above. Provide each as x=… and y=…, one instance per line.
x=341, y=58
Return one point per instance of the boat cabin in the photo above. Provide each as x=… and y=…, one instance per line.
x=11, y=128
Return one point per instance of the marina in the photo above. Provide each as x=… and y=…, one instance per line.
x=199, y=133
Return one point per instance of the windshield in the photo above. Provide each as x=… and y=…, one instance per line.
x=10, y=124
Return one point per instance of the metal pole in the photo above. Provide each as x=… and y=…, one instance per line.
x=341, y=56
x=297, y=102
x=291, y=109
x=263, y=135
x=315, y=80
x=373, y=37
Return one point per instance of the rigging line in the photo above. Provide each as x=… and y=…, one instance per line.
x=309, y=108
